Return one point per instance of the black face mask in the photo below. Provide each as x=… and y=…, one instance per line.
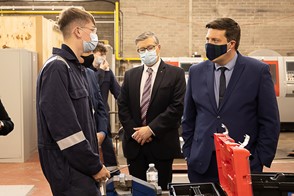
x=88, y=60
x=213, y=51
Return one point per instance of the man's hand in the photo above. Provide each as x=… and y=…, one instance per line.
x=105, y=65
x=102, y=175
x=142, y=135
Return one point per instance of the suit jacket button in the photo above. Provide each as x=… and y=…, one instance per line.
x=218, y=117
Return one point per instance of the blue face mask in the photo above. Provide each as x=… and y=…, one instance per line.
x=213, y=51
x=149, y=58
x=91, y=45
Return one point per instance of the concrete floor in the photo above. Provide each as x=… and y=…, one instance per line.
x=29, y=173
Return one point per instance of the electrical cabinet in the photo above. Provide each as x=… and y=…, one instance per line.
x=18, y=73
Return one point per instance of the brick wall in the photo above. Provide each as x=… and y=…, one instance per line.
x=168, y=19
x=265, y=24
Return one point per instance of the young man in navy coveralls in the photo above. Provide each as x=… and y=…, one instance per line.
x=67, y=142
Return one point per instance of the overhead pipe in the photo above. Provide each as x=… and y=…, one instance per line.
x=51, y=12
x=33, y=7
x=116, y=37
x=29, y=12
x=12, y=10
x=40, y=10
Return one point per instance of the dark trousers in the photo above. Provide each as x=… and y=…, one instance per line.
x=109, y=155
x=139, y=166
x=211, y=175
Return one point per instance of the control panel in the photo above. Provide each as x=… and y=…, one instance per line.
x=290, y=71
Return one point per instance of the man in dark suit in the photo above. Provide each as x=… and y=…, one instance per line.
x=151, y=122
x=242, y=97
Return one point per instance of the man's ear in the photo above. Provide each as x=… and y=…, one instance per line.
x=233, y=44
x=77, y=32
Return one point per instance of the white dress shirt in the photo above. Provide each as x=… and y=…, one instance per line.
x=145, y=76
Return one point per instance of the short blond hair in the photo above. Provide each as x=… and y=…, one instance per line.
x=71, y=15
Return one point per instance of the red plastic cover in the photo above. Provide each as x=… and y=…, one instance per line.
x=233, y=166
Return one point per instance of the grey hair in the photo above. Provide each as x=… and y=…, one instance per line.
x=147, y=35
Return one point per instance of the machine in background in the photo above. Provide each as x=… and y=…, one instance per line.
x=183, y=62
x=282, y=70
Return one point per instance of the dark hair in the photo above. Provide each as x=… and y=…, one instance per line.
x=100, y=48
x=70, y=15
x=232, y=28
x=146, y=35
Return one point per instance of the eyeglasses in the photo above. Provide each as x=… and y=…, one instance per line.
x=149, y=48
x=93, y=30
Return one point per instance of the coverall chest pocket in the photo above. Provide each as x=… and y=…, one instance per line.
x=80, y=97
x=79, y=93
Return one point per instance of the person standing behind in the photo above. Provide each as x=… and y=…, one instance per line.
x=102, y=121
x=99, y=108
x=67, y=142
x=6, y=124
x=95, y=92
x=233, y=90
x=107, y=83
x=150, y=109
x=107, y=80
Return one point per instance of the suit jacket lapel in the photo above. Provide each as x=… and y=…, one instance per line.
x=210, y=84
x=238, y=69
x=137, y=85
x=158, y=79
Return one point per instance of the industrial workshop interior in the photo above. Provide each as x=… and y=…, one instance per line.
x=187, y=127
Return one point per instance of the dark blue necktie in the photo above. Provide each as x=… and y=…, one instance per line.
x=222, y=84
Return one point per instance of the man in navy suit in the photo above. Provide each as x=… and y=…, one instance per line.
x=241, y=97
x=151, y=137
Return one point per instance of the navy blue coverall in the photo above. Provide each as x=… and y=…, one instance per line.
x=67, y=141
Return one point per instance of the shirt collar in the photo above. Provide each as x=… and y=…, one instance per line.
x=154, y=67
x=70, y=55
x=230, y=65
